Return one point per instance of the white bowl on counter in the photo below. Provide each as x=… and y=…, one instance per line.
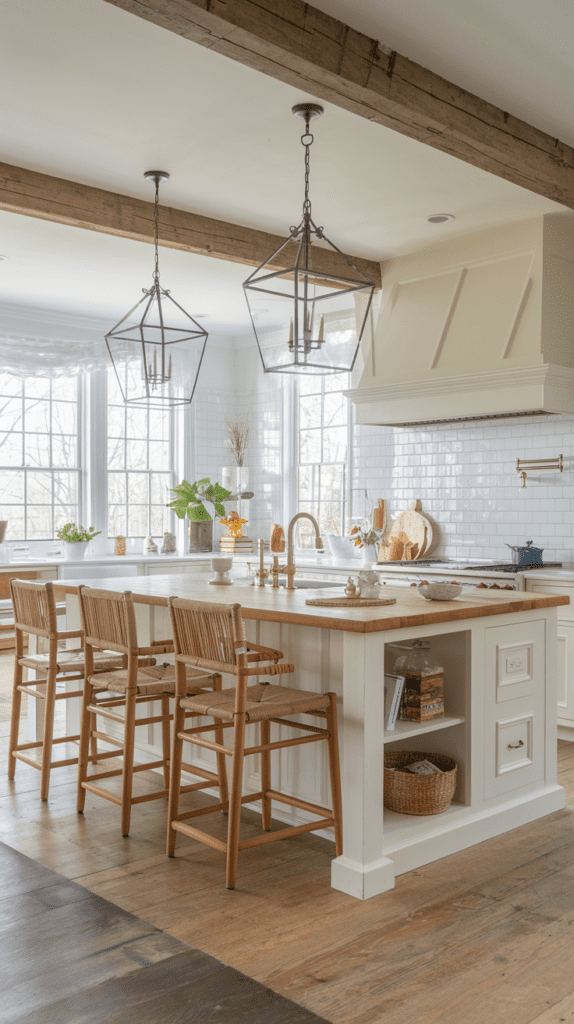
x=343, y=547
x=440, y=591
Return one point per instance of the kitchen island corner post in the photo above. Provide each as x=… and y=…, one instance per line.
x=362, y=871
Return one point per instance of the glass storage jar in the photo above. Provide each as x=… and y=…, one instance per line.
x=423, y=696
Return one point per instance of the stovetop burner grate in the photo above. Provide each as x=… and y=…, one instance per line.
x=510, y=568
x=440, y=563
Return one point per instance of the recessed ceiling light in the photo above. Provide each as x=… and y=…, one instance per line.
x=440, y=218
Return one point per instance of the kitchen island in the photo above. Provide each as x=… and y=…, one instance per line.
x=499, y=657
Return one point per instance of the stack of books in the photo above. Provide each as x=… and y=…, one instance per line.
x=236, y=544
x=394, y=700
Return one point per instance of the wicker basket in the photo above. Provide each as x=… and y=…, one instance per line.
x=409, y=793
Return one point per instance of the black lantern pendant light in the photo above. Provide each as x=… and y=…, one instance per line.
x=157, y=352
x=306, y=318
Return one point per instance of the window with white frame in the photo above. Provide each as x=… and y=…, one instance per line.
x=39, y=455
x=141, y=466
x=323, y=448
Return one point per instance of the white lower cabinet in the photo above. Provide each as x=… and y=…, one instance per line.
x=565, y=668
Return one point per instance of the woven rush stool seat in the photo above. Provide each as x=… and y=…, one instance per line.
x=109, y=623
x=72, y=661
x=36, y=613
x=262, y=701
x=150, y=679
x=211, y=636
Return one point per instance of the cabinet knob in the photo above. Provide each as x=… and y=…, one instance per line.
x=513, y=746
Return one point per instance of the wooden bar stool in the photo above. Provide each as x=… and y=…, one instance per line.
x=211, y=637
x=35, y=611
x=109, y=622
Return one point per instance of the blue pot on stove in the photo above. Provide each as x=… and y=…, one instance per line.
x=527, y=557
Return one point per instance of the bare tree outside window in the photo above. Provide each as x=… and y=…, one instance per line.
x=39, y=458
x=140, y=466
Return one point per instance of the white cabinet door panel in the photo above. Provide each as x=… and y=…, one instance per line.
x=514, y=723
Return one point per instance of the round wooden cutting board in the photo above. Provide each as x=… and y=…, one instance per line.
x=409, y=537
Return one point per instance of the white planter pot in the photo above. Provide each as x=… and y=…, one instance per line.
x=74, y=552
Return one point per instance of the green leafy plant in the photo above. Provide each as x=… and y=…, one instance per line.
x=74, y=534
x=190, y=499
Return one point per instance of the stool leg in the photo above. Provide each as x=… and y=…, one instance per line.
x=16, y=704
x=265, y=777
x=93, y=739
x=128, y=765
x=48, y=730
x=235, y=801
x=335, y=772
x=175, y=775
x=87, y=722
x=221, y=758
x=166, y=741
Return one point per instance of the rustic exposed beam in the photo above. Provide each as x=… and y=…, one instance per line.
x=292, y=41
x=68, y=202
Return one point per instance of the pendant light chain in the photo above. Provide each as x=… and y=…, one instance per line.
x=307, y=140
x=156, y=219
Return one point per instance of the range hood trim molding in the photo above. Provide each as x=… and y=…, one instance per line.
x=522, y=390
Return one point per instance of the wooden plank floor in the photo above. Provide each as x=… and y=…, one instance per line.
x=70, y=957
x=485, y=935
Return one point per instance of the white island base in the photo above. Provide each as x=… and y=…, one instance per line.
x=499, y=658
x=496, y=698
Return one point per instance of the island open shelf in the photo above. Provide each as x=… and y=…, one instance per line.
x=406, y=730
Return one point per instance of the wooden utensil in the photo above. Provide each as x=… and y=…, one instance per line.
x=380, y=516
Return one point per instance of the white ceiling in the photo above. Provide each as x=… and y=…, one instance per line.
x=517, y=54
x=94, y=94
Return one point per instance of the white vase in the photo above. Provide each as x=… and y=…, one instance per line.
x=370, y=553
x=74, y=551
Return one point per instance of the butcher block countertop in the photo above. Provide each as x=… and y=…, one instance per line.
x=267, y=604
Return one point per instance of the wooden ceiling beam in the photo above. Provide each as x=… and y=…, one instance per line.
x=82, y=206
x=293, y=42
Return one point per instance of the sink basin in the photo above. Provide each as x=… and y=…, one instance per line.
x=307, y=584
x=302, y=584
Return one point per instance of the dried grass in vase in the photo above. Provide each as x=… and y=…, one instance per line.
x=237, y=438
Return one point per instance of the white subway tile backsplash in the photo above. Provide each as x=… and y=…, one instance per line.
x=467, y=479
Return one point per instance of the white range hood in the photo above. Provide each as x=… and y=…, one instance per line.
x=482, y=326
